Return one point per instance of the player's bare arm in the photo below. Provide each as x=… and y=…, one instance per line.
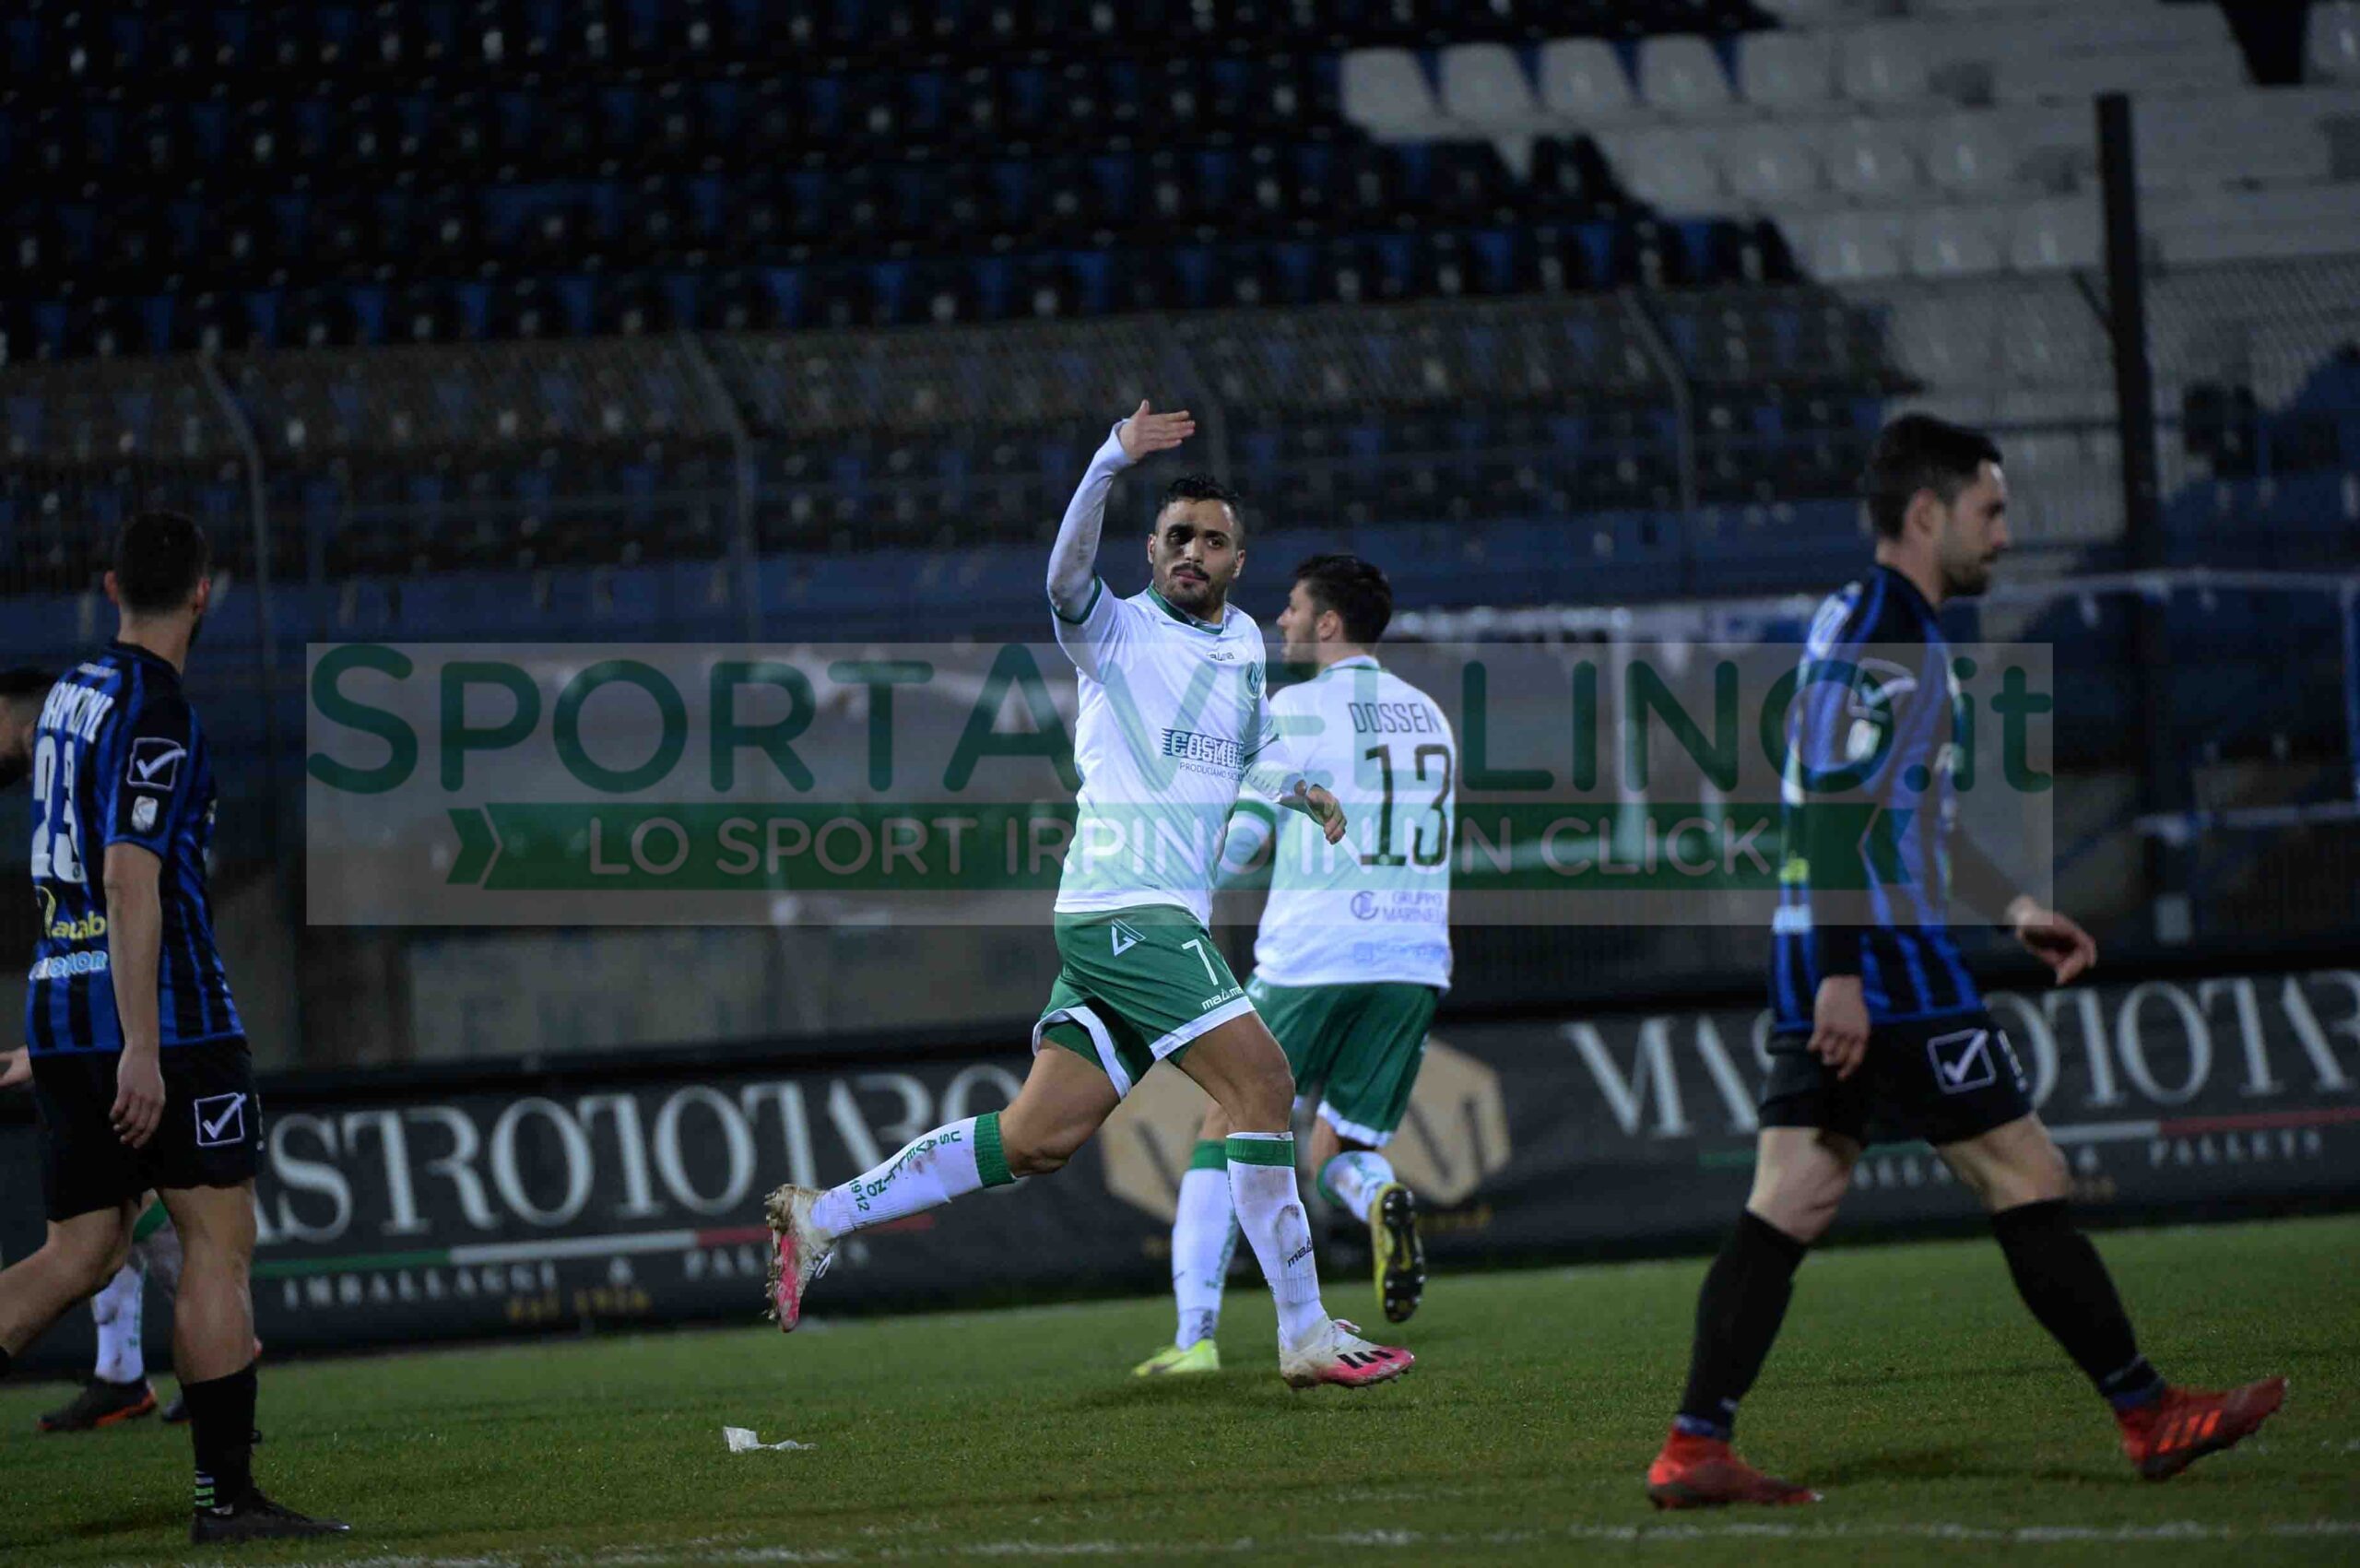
x=2054, y=937
x=135, y=943
x=1073, y=560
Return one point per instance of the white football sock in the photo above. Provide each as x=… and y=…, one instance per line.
x=116, y=1308
x=1353, y=1178
x=1269, y=1210
x=929, y=1172
x=1204, y=1235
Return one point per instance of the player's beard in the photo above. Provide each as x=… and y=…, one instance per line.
x=1200, y=597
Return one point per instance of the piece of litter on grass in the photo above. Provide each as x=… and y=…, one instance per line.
x=742, y=1439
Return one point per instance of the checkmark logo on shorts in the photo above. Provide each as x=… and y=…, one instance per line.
x=1962, y=1060
x=220, y=1120
x=1125, y=938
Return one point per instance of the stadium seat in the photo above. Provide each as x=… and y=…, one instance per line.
x=1771, y=165
x=1583, y=82
x=1385, y=93
x=1883, y=65
x=2332, y=42
x=1950, y=241
x=1968, y=154
x=1784, y=70
x=1680, y=74
x=1483, y=87
x=1870, y=161
x=2047, y=235
x=1863, y=246
x=1666, y=167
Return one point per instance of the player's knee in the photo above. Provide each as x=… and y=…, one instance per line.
x=1262, y=1101
x=1801, y=1203
x=1038, y=1152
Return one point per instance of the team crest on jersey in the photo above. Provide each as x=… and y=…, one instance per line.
x=155, y=762
x=1253, y=680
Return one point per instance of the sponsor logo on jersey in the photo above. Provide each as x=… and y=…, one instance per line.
x=67, y=965
x=143, y=814
x=89, y=928
x=155, y=762
x=1194, y=746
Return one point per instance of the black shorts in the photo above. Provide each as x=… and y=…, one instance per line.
x=209, y=1135
x=1945, y=1080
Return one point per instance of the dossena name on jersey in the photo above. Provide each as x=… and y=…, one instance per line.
x=1392, y=718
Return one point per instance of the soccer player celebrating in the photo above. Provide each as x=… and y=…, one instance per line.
x=1877, y=1016
x=140, y=1061
x=1173, y=718
x=1354, y=945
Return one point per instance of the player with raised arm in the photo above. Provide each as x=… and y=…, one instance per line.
x=1875, y=1015
x=140, y=1066
x=1173, y=719
x=1354, y=945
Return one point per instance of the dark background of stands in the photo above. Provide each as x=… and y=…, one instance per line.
x=779, y=320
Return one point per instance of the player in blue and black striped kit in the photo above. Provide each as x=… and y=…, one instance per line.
x=141, y=1067
x=1875, y=1016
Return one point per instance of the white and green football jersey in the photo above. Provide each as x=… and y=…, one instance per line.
x=1375, y=906
x=1173, y=713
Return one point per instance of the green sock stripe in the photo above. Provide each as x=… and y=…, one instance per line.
x=990, y=1162
x=1270, y=1148
x=152, y=1219
x=1320, y=1181
x=1211, y=1154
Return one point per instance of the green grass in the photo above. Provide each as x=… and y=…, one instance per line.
x=1910, y=1386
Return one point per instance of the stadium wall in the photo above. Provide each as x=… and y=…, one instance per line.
x=569, y=1199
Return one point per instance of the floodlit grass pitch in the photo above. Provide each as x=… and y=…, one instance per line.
x=1910, y=1387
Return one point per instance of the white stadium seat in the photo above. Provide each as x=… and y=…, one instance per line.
x=1869, y=160
x=1772, y=165
x=2332, y=44
x=1968, y=154
x=1680, y=74
x=1784, y=70
x=1581, y=80
x=1883, y=65
x=1385, y=93
x=1666, y=167
x=1483, y=85
x=1847, y=246
x=1954, y=243
x=2048, y=235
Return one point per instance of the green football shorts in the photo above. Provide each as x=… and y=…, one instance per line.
x=1359, y=1045
x=1136, y=986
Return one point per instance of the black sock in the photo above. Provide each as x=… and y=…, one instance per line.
x=1738, y=1315
x=222, y=1424
x=2059, y=1276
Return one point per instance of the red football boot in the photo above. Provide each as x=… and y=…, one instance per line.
x=1701, y=1472
x=2169, y=1434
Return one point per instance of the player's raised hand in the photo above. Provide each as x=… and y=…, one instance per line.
x=139, y=1096
x=2057, y=940
x=1145, y=431
x=1839, y=1024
